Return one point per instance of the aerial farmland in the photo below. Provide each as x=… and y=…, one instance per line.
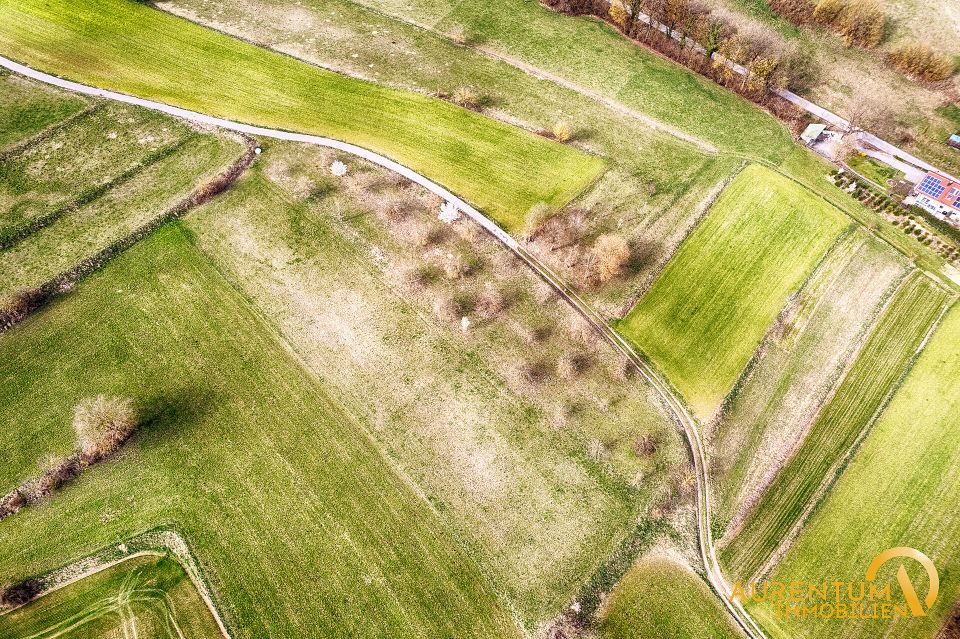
x=447, y=319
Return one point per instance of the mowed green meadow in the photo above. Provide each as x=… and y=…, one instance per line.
x=298, y=522
x=147, y=597
x=885, y=357
x=703, y=318
x=130, y=47
x=901, y=489
x=662, y=598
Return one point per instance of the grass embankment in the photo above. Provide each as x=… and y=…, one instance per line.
x=661, y=597
x=900, y=489
x=702, y=319
x=80, y=160
x=247, y=456
x=28, y=108
x=882, y=361
x=802, y=362
x=130, y=47
x=507, y=460
x=148, y=597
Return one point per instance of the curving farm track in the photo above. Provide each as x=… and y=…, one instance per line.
x=676, y=406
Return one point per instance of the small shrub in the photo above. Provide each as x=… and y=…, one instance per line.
x=618, y=14
x=102, y=424
x=598, y=451
x=562, y=131
x=827, y=12
x=612, y=256
x=466, y=97
x=455, y=267
x=538, y=214
x=458, y=33
x=918, y=60
x=491, y=303
x=20, y=593
x=862, y=23
x=448, y=308
x=645, y=446
x=571, y=365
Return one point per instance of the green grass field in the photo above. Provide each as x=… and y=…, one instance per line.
x=593, y=55
x=702, y=319
x=287, y=504
x=662, y=598
x=801, y=364
x=128, y=46
x=882, y=361
x=29, y=108
x=148, y=597
x=900, y=489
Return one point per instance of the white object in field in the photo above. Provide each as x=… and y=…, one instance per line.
x=258, y=150
x=449, y=212
x=338, y=168
x=575, y=607
x=464, y=323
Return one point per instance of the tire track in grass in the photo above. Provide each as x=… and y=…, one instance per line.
x=859, y=399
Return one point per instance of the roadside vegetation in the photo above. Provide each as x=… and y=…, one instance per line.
x=703, y=318
x=149, y=597
x=900, y=489
x=856, y=403
x=499, y=168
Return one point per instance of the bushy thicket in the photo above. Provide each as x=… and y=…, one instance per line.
x=920, y=61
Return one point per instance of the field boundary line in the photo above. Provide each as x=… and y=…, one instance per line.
x=708, y=555
x=736, y=524
x=65, y=281
x=158, y=542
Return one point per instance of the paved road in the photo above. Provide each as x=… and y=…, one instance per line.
x=689, y=425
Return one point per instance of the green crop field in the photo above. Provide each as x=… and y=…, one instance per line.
x=148, y=597
x=660, y=597
x=882, y=361
x=702, y=319
x=900, y=489
x=127, y=46
x=298, y=521
x=28, y=108
x=802, y=362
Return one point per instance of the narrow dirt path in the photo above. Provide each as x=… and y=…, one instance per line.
x=685, y=420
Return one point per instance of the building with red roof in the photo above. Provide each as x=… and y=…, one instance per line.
x=938, y=194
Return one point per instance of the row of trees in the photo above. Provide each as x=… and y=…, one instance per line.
x=705, y=41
